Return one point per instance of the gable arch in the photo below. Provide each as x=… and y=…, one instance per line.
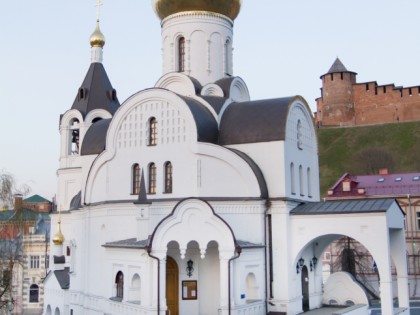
x=193, y=220
x=97, y=113
x=70, y=116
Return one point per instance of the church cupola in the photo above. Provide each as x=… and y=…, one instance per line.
x=229, y=8
x=197, y=37
x=97, y=42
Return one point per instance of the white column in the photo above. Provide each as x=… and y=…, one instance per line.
x=161, y=255
x=162, y=282
x=386, y=297
x=398, y=252
x=224, y=257
x=403, y=294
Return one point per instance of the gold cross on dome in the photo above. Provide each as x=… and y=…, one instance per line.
x=98, y=9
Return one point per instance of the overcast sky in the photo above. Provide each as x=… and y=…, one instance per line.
x=281, y=48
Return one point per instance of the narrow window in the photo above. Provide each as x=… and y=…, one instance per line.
x=227, y=50
x=292, y=178
x=418, y=221
x=6, y=277
x=181, y=54
x=33, y=294
x=308, y=174
x=367, y=86
x=342, y=75
x=376, y=90
x=332, y=76
x=135, y=179
x=152, y=131
x=47, y=262
x=119, y=282
x=135, y=289
x=409, y=91
x=152, y=178
x=251, y=287
x=168, y=177
x=74, y=134
x=81, y=93
x=300, y=180
x=68, y=251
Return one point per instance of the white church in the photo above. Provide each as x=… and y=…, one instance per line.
x=190, y=198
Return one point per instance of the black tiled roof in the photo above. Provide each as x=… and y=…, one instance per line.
x=94, y=141
x=255, y=121
x=63, y=278
x=343, y=206
x=128, y=243
x=98, y=92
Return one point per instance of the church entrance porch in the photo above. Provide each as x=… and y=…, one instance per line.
x=200, y=244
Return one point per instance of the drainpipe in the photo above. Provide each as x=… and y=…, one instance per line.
x=238, y=251
x=267, y=229
x=413, y=248
x=149, y=250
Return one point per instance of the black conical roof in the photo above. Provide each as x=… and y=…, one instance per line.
x=337, y=66
x=96, y=92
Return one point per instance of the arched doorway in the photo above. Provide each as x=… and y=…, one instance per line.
x=172, y=286
x=305, y=289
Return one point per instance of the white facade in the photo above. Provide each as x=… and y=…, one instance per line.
x=193, y=171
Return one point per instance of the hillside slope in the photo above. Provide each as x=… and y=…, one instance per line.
x=364, y=150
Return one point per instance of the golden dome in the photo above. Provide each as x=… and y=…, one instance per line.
x=97, y=39
x=229, y=8
x=58, y=238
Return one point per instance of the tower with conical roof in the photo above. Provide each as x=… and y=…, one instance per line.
x=335, y=106
x=94, y=105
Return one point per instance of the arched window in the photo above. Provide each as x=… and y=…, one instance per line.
x=152, y=131
x=292, y=178
x=135, y=289
x=135, y=177
x=119, y=283
x=308, y=178
x=301, y=180
x=251, y=287
x=168, y=177
x=33, y=294
x=57, y=311
x=152, y=178
x=74, y=135
x=227, y=54
x=48, y=311
x=181, y=54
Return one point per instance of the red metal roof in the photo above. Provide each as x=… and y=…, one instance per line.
x=379, y=185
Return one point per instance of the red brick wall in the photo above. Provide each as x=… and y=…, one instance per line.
x=356, y=104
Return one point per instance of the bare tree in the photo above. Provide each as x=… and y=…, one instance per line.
x=371, y=160
x=12, y=229
x=8, y=189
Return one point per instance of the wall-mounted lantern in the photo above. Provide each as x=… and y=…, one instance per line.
x=190, y=268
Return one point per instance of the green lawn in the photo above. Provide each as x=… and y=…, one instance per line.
x=363, y=150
